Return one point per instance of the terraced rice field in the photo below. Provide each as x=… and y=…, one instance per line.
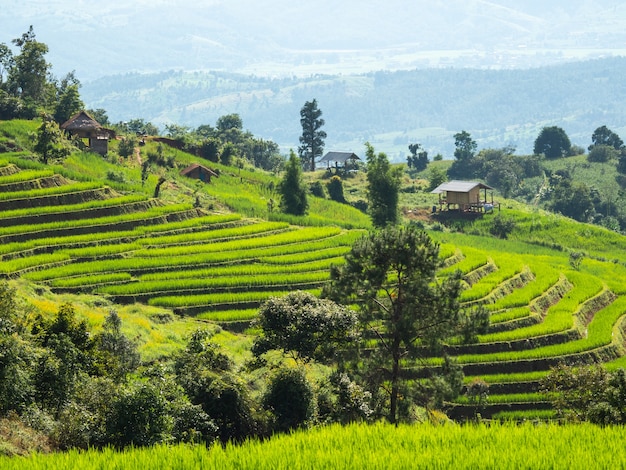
x=86, y=238
x=543, y=313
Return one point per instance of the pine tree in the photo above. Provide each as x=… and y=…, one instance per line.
x=312, y=138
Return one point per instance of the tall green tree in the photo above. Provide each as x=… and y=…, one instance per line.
x=293, y=192
x=572, y=199
x=465, y=146
x=552, y=142
x=68, y=354
x=17, y=356
x=383, y=185
x=28, y=76
x=312, y=138
x=209, y=379
x=605, y=136
x=49, y=143
x=229, y=129
x=116, y=354
x=6, y=62
x=390, y=275
x=100, y=115
x=463, y=166
x=418, y=160
x=69, y=103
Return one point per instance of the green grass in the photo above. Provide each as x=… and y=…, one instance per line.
x=173, y=301
x=85, y=281
x=55, y=190
x=261, y=228
x=210, y=283
x=510, y=398
x=545, y=277
x=20, y=264
x=94, y=204
x=379, y=446
x=272, y=240
x=27, y=175
x=525, y=415
x=102, y=222
x=472, y=259
x=244, y=270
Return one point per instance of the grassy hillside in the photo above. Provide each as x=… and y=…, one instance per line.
x=90, y=233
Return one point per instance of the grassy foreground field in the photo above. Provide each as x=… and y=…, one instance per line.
x=375, y=446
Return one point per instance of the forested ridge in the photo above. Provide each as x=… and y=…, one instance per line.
x=389, y=109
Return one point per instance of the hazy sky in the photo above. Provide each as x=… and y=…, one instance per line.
x=281, y=36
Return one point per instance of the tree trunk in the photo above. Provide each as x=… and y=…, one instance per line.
x=395, y=381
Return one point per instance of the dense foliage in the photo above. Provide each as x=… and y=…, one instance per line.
x=301, y=325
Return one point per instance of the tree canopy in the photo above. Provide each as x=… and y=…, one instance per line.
x=605, y=136
x=304, y=326
x=552, y=142
x=464, y=146
x=418, y=159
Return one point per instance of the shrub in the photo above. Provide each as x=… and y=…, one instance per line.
x=502, y=227
x=290, y=399
x=602, y=153
x=343, y=400
x=317, y=189
x=138, y=416
x=335, y=189
x=127, y=146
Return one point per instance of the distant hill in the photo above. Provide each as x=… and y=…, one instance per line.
x=389, y=109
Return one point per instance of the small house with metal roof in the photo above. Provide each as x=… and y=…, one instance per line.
x=343, y=160
x=465, y=196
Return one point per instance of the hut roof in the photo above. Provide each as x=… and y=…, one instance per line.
x=81, y=121
x=457, y=186
x=195, y=166
x=339, y=157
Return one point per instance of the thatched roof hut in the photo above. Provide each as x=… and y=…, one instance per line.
x=86, y=127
